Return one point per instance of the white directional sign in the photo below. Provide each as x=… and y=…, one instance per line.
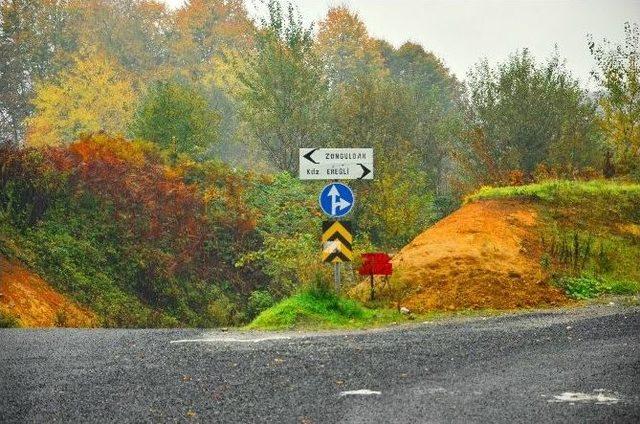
x=336, y=164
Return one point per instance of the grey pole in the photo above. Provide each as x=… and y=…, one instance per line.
x=336, y=276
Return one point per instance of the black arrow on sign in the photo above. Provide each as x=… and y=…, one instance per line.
x=308, y=156
x=365, y=171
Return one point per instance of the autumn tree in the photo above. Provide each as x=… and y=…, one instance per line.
x=525, y=114
x=281, y=88
x=135, y=33
x=207, y=28
x=618, y=74
x=31, y=39
x=346, y=49
x=176, y=117
x=94, y=95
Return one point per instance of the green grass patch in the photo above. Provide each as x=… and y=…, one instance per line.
x=7, y=321
x=589, y=287
x=561, y=191
x=313, y=309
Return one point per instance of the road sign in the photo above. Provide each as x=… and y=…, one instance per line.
x=336, y=200
x=376, y=264
x=336, y=164
x=337, y=240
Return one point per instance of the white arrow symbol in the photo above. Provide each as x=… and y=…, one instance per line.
x=335, y=203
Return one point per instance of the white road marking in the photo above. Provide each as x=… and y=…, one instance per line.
x=600, y=397
x=361, y=392
x=230, y=340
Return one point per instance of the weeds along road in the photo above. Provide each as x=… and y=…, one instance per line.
x=579, y=365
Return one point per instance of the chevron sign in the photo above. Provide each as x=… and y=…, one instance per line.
x=337, y=239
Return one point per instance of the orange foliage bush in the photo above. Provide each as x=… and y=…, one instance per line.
x=190, y=219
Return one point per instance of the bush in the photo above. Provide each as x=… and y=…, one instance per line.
x=108, y=223
x=259, y=300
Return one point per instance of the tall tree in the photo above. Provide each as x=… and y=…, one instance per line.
x=382, y=114
x=136, y=33
x=618, y=74
x=31, y=37
x=437, y=111
x=282, y=89
x=207, y=28
x=94, y=95
x=346, y=49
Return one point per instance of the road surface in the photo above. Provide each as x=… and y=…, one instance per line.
x=577, y=365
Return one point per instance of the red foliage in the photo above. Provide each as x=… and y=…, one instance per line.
x=153, y=207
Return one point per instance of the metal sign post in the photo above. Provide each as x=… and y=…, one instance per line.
x=336, y=199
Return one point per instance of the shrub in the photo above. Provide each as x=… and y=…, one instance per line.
x=109, y=223
x=259, y=300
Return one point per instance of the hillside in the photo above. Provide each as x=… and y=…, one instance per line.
x=510, y=247
x=27, y=298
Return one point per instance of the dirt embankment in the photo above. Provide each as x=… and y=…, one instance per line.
x=485, y=255
x=34, y=303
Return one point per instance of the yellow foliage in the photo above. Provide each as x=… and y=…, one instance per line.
x=622, y=132
x=346, y=47
x=92, y=96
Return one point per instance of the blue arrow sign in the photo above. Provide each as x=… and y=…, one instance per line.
x=336, y=200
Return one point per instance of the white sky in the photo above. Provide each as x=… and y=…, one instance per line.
x=461, y=32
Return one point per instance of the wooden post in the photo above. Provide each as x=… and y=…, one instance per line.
x=372, y=288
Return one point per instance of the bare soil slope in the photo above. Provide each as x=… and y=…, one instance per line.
x=34, y=303
x=485, y=255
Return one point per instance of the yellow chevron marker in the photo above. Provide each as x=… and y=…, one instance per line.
x=336, y=242
x=337, y=227
x=334, y=251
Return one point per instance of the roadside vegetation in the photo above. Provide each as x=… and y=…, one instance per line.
x=313, y=309
x=601, y=192
x=590, y=234
x=148, y=171
x=7, y=321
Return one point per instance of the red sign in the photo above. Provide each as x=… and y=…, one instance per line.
x=376, y=264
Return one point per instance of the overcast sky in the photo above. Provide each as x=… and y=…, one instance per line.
x=461, y=32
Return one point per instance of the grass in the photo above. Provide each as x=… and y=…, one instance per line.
x=563, y=191
x=7, y=321
x=589, y=231
x=319, y=310
x=589, y=287
x=313, y=309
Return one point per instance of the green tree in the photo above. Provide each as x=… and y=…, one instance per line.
x=289, y=228
x=281, y=88
x=525, y=114
x=176, y=117
x=618, y=74
x=436, y=111
x=383, y=114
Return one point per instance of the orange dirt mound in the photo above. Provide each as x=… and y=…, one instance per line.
x=34, y=303
x=485, y=255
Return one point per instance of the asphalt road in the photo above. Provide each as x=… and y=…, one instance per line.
x=578, y=365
